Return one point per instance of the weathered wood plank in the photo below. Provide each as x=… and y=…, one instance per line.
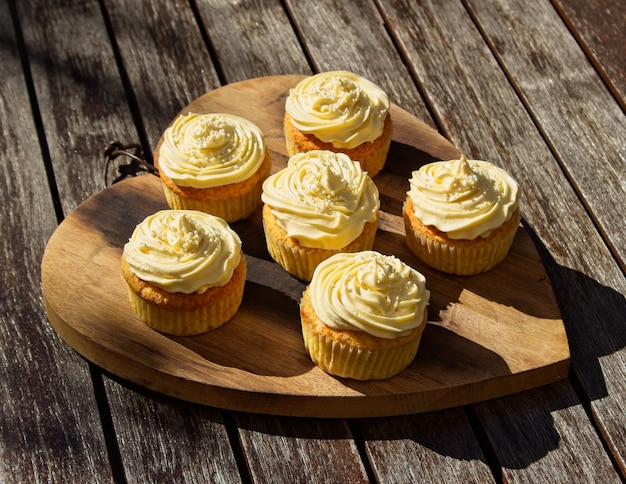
x=599, y=28
x=557, y=427
x=191, y=446
x=165, y=58
x=45, y=388
x=440, y=42
x=82, y=101
x=299, y=450
x=430, y=447
x=252, y=38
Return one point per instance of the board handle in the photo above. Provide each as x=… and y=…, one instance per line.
x=137, y=163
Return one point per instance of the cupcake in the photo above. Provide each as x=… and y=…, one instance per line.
x=363, y=315
x=341, y=112
x=461, y=216
x=185, y=271
x=215, y=163
x=320, y=204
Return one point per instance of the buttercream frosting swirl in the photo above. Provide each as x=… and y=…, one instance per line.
x=183, y=251
x=463, y=198
x=338, y=107
x=210, y=150
x=322, y=199
x=371, y=292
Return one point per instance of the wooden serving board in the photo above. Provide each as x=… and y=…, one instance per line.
x=487, y=336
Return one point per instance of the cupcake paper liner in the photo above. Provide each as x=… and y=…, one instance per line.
x=191, y=313
x=181, y=322
x=301, y=261
x=462, y=257
x=231, y=209
x=345, y=360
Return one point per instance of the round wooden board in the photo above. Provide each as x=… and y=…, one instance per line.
x=487, y=336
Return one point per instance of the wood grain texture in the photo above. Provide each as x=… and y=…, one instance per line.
x=297, y=450
x=561, y=430
x=432, y=447
x=241, y=34
x=580, y=265
x=45, y=389
x=599, y=28
x=475, y=319
x=82, y=102
x=164, y=56
x=193, y=443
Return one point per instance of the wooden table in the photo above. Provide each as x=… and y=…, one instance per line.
x=538, y=86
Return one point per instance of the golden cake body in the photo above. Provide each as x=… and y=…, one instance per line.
x=342, y=112
x=320, y=204
x=215, y=163
x=363, y=315
x=185, y=271
x=461, y=216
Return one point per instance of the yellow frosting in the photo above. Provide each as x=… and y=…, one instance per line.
x=463, y=198
x=183, y=251
x=322, y=199
x=371, y=292
x=210, y=150
x=338, y=107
